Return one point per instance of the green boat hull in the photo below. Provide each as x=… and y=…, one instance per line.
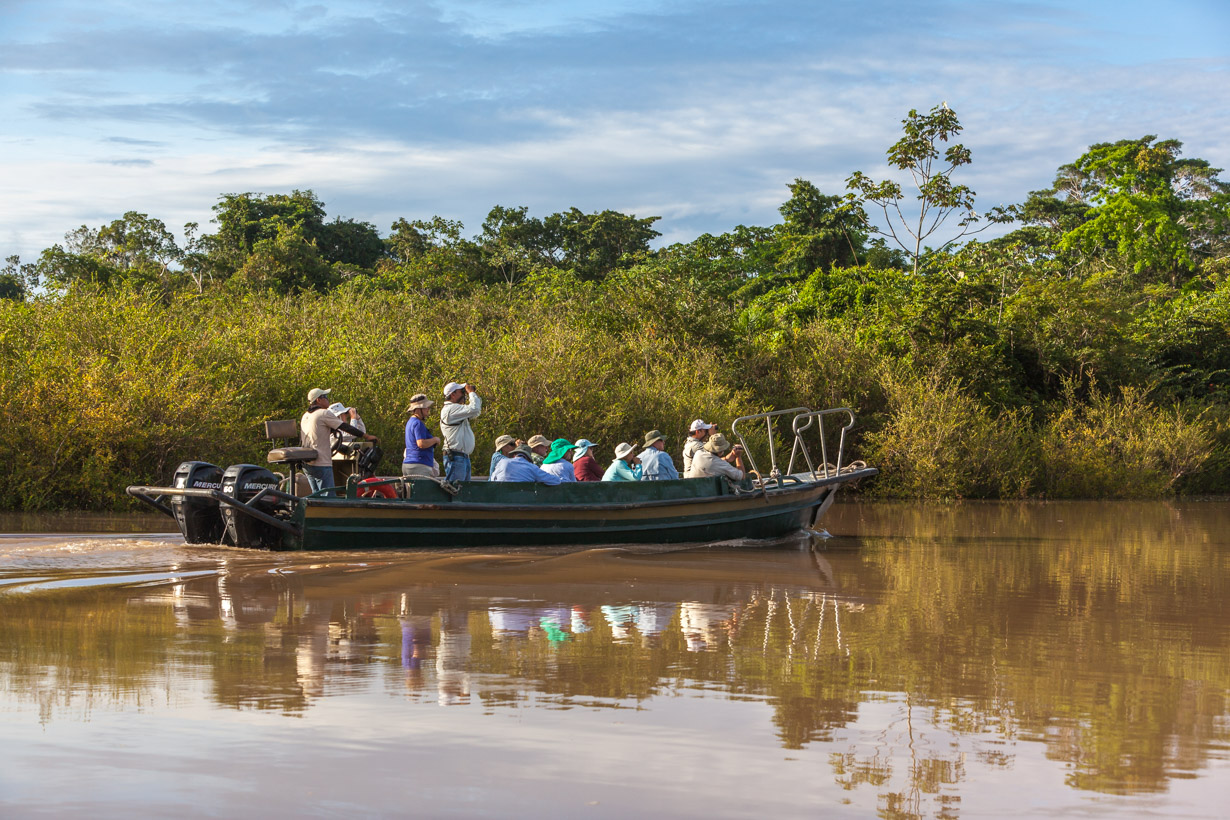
x=427, y=514
x=582, y=514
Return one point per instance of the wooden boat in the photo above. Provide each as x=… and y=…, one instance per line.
x=250, y=506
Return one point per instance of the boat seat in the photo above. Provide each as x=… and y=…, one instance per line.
x=292, y=455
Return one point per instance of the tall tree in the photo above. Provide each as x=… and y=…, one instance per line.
x=938, y=198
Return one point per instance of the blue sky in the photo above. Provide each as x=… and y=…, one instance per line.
x=698, y=112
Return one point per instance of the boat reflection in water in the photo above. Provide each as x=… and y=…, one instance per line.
x=457, y=640
x=1052, y=658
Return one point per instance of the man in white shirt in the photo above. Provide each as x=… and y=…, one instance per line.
x=455, y=429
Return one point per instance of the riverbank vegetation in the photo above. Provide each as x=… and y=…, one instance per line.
x=1084, y=353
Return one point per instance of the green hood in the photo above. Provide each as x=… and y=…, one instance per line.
x=558, y=448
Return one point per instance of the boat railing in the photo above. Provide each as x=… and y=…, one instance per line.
x=802, y=420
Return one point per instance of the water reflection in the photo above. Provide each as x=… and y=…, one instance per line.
x=917, y=665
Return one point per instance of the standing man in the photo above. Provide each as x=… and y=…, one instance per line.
x=455, y=427
x=698, y=434
x=656, y=463
x=315, y=427
x=420, y=460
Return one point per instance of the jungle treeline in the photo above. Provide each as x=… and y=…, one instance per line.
x=1084, y=352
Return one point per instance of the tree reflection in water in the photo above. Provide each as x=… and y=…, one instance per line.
x=916, y=660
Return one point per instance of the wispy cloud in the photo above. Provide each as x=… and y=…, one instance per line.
x=700, y=113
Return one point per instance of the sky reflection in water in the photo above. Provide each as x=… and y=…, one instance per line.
x=951, y=660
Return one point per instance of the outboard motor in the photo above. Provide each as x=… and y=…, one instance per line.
x=199, y=519
x=243, y=482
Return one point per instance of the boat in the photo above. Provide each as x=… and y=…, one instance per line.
x=247, y=505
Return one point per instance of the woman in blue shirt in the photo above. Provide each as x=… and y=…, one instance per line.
x=420, y=458
x=625, y=467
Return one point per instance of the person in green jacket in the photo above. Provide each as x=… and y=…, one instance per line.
x=626, y=466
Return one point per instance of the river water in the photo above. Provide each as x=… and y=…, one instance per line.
x=930, y=661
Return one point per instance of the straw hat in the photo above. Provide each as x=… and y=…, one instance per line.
x=717, y=444
x=419, y=401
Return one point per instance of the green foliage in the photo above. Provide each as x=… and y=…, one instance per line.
x=1120, y=447
x=967, y=373
x=1135, y=206
x=939, y=442
x=286, y=263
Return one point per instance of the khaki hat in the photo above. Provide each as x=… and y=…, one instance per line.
x=539, y=440
x=419, y=400
x=717, y=444
x=317, y=392
x=652, y=436
x=623, y=450
x=504, y=441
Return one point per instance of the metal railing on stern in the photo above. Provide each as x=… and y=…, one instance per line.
x=802, y=420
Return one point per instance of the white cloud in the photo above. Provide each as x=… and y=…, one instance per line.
x=705, y=136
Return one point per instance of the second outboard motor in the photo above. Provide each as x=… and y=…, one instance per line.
x=243, y=482
x=199, y=519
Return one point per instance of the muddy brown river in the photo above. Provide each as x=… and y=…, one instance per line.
x=972, y=660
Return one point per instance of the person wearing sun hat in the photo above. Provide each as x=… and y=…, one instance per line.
x=503, y=449
x=584, y=466
x=625, y=467
x=419, y=460
x=716, y=459
x=539, y=446
x=656, y=463
x=556, y=462
x=518, y=467
x=315, y=427
x=698, y=433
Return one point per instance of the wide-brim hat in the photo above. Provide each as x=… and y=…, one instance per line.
x=717, y=444
x=419, y=401
x=623, y=450
x=652, y=436
x=559, y=449
x=504, y=441
x=523, y=450
x=317, y=392
x=583, y=446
